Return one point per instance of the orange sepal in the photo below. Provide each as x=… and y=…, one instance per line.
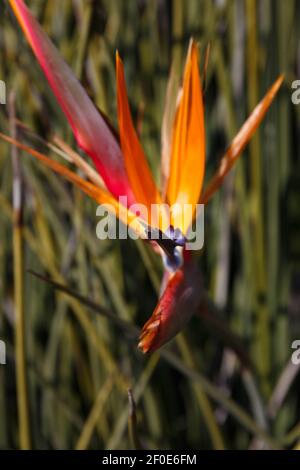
x=138, y=171
x=188, y=143
x=100, y=195
x=240, y=141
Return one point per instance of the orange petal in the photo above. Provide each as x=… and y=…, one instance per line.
x=91, y=131
x=180, y=299
x=100, y=195
x=137, y=167
x=188, y=143
x=240, y=141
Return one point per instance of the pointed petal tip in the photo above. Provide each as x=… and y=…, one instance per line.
x=143, y=348
x=149, y=333
x=277, y=84
x=281, y=77
x=193, y=43
x=279, y=81
x=193, y=50
x=146, y=345
x=119, y=64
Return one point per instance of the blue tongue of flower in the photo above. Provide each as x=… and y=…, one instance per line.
x=171, y=242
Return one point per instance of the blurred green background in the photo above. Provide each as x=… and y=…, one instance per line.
x=227, y=381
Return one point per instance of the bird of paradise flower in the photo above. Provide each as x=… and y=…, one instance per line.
x=123, y=169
